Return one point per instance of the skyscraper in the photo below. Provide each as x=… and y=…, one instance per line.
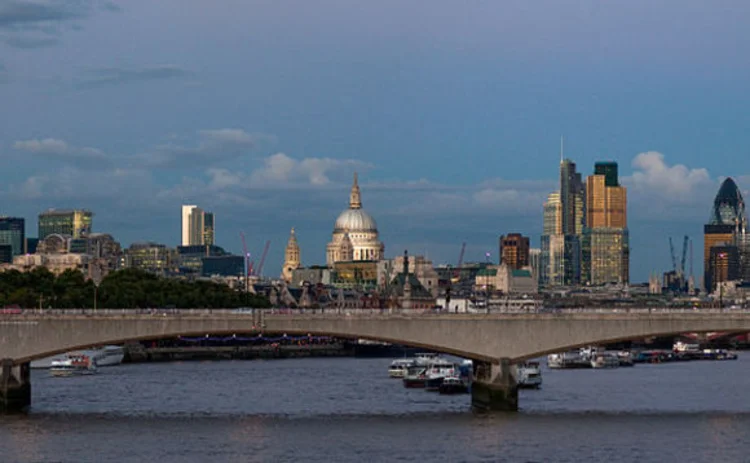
x=12, y=233
x=551, y=269
x=72, y=222
x=606, y=248
x=514, y=250
x=198, y=226
x=726, y=227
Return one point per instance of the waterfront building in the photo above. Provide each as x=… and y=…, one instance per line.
x=12, y=233
x=71, y=222
x=605, y=245
x=535, y=262
x=726, y=226
x=514, y=250
x=149, y=256
x=355, y=234
x=198, y=226
x=292, y=258
x=314, y=275
x=507, y=280
x=406, y=290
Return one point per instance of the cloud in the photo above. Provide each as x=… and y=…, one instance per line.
x=282, y=170
x=103, y=77
x=213, y=146
x=677, y=182
x=37, y=24
x=52, y=148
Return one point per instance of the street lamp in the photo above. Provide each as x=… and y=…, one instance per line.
x=487, y=284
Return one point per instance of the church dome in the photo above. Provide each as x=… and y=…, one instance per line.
x=355, y=220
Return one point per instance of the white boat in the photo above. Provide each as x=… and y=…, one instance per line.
x=425, y=358
x=605, y=360
x=680, y=346
x=399, y=367
x=529, y=375
x=567, y=360
x=73, y=365
x=103, y=357
x=437, y=371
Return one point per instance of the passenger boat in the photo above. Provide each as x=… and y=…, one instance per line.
x=425, y=358
x=567, y=360
x=718, y=354
x=73, y=365
x=605, y=360
x=103, y=357
x=529, y=375
x=625, y=358
x=415, y=376
x=453, y=385
x=680, y=346
x=399, y=367
x=437, y=371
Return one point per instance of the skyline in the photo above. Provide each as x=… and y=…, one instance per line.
x=261, y=115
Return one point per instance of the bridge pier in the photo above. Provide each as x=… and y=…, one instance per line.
x=15, y=387
x=494, y=387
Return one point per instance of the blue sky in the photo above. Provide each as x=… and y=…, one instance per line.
x=450, y=111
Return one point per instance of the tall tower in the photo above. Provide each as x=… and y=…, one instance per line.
x=723, y=230
x=291, y=257
x=355, y=197
x=606, y=248
x=198, y=226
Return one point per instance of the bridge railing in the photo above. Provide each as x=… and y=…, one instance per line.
x=173, y=312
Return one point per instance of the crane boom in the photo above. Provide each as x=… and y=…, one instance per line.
x=263, y=258
x=457, y=274
x=684, y=254
x=671, y=252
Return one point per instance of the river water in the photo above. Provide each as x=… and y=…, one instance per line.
x=346, y=409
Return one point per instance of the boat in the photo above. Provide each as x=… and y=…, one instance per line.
x=566, y=360
x=529, y=375
x=680, y=346
x=425, y=358
x=415, y=376
x=103, y=357
x=605, y=360
x=718, y=354
x=625, y=358
x=399, y=367
x=73, y=365
x=453, y=385
x=437, y=371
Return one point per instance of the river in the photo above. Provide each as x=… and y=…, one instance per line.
x=347, y=409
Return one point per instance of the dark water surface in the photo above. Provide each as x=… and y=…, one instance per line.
x=345, y=409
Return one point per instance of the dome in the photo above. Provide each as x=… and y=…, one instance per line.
x=355, y=220
x=729, y=207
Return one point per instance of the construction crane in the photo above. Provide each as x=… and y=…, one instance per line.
x=684, y=255
x=671, y=252
x=457, y=275
x=263, y=258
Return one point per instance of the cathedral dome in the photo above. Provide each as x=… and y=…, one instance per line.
x=355, y=220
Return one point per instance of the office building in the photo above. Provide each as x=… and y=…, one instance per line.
x=12, y=233
x=725, y=226
x=514, y=250
x=71, y=222
x=605, y=245
x=198, y=226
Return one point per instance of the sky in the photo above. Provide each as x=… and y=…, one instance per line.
x=451, y=112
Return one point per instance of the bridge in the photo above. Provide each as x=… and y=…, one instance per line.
x=495, y=341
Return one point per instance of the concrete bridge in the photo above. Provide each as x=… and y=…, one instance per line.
x=495, y=341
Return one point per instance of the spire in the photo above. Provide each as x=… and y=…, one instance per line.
x=561, y=149
x=406, y=263
x=355, y=199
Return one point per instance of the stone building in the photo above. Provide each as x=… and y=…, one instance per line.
x=355, y=235
x=292, y=258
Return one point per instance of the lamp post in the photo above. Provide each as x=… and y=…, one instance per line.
x=487, y=284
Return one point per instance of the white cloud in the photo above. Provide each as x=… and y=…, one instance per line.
x=282, y=170
x=213, y=146
x=676, y=183
x=53, y=148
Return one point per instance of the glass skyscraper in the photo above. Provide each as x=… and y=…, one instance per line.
x=12, y=233
x=71, y=222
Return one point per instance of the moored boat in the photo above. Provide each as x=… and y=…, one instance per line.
x=453, y=385
x=605, y=360
x=529, y=375
x=399, y=367
x=415, y=376
x=73, y=365
x=437, y=371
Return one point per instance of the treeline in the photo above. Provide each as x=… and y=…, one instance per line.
x=128, y=288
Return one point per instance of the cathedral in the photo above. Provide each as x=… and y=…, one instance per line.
x=292, y=259
x=355, y=234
